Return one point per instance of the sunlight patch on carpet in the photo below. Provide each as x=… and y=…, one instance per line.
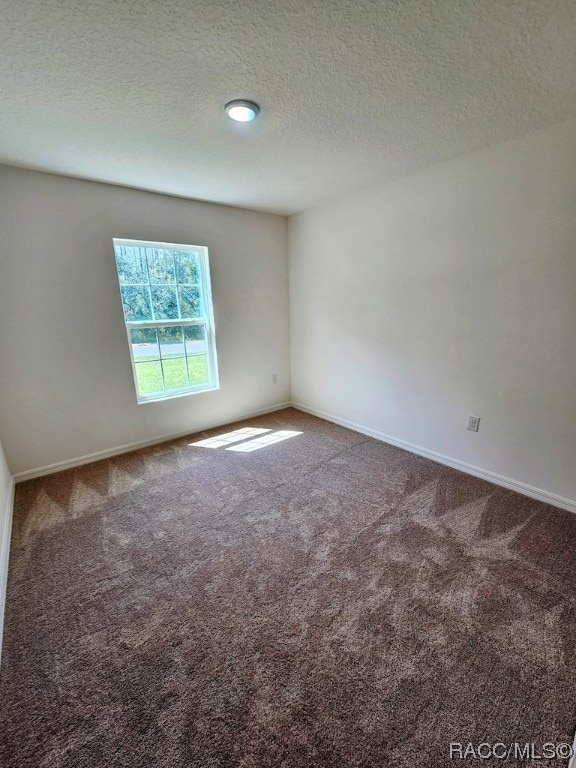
x=227, y=438
x=264, y=442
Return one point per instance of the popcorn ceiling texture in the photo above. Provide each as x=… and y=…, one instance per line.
x=353, y=92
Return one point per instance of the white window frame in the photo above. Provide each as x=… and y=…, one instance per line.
x=207, y=320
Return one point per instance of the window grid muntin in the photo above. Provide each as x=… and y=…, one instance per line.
x=206, y=318
x=186, y=357
x=143, y=253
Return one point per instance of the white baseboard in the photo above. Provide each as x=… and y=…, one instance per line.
x=5, y=534
x=484, y=474
x=89, y=458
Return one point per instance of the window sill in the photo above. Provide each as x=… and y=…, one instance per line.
x=174, y=395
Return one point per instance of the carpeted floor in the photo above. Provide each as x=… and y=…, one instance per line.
x=325, y=600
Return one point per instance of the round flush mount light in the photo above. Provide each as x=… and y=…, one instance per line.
x=242, y=111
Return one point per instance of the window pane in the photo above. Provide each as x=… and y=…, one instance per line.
x=198, y=370
x=187, y=267
x=195, y=340
x=145, y=344
x=149, y=377
x=175, y=373
x=164, y=302
x=160, y=265
x=171, y=342
x=161, y=283
x=190, y=304
x=131, y=264
x=136, y=302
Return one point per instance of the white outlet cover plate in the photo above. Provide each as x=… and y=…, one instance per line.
x=473, y=423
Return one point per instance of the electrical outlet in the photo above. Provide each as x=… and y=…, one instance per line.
x=473, y=423
x=274, y=378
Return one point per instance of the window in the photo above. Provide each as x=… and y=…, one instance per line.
x=167, y=305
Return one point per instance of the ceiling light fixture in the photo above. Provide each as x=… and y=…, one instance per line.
x=241, y=110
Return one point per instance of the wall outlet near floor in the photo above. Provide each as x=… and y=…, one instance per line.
x=274, y=378
x=473, y=423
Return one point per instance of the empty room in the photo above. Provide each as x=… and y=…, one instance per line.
x=287, y=383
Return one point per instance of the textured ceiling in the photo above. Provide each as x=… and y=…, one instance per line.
x=352, y=91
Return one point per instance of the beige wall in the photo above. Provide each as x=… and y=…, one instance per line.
x=448, y=293
x=66, y=379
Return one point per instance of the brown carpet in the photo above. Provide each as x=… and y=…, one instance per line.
x=326, y=600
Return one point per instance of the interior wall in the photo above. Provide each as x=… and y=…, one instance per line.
x=6, y=498
x=66, y=378
x=5, y=488
x=447, y=293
